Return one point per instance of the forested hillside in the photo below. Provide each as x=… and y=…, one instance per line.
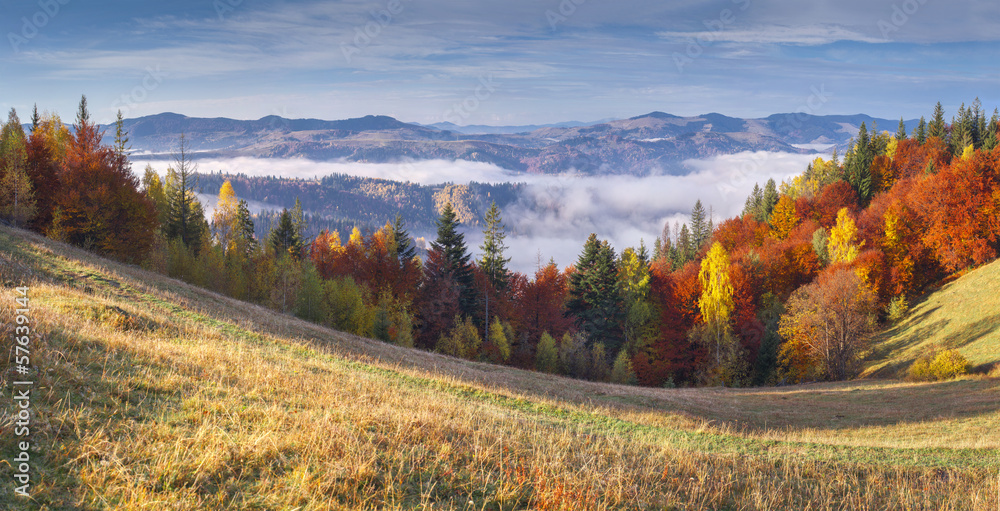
x=792, y=290
x=340, y=202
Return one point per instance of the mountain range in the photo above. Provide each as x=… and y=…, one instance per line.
x=653, y=143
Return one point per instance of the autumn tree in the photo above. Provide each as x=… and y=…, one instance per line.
x=832, y=320
x=99, y=204
x=461, y=341
x=716, y=306
x=959, y=208
x=547, y=355
x=783, y=218
x=43, y=168
x=224, y=218
x=595, y=297
x=541, y=307
x=638, y=325
x=17, y=196
x=843, y=244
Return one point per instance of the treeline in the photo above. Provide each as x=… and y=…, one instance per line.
x=789, y=291
x=340, y=200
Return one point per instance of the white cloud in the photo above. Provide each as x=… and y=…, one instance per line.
x=810, y=35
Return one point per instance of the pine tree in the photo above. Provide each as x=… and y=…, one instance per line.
x=901, y=130
x=595, y=295
x=921, y=134
x=493, y=262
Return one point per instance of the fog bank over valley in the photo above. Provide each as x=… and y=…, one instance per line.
x=555, y=213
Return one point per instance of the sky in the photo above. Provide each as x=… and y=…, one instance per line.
x=499, y=62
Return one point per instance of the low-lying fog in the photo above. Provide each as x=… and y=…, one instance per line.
x=558, y=212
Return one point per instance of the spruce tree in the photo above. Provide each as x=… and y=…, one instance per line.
x=299, y=221
x=182, y=222
x=858, y=165
x=243, y=232
x=284, y=238
x=404, y=245
x=770, y=198
x=455, y=258
x=595, y=295
x=685, y=247
x=122, y=147
x=699, y=225
x=754, y=201
x=921, y=134
x=937, y=127
x=990, y=136
x=493, y=262
x=901, y=130
x=35, y=118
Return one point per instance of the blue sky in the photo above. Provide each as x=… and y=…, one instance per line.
x=498, y=61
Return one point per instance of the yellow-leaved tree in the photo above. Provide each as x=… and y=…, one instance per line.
x=968, y=152
x=716, y=305
x=843, y=246
x=784, y=217
x=224, y=218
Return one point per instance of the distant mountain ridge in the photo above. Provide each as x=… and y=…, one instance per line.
x=656, y=142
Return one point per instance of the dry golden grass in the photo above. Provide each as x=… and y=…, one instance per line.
x=964, y=315
x=157, y=395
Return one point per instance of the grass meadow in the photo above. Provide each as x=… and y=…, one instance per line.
x=152, y=394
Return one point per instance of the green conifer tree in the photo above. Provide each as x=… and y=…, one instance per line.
x=595, y=295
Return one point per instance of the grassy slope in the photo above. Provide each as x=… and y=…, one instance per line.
x=154, y=394
x=964, y=314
